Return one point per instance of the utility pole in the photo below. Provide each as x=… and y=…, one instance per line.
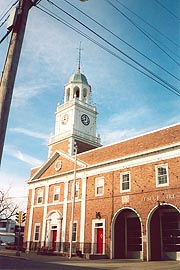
x=11, y=65
x=73, y=202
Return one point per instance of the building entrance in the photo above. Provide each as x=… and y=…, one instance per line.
x=127, y=235
x=54, y=236
x=164, y=233
x=100, y=240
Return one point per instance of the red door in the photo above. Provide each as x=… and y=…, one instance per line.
x=54, y=236
x=100, y=240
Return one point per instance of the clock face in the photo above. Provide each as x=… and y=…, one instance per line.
x=85, y=119
x=65, y=119
x=58, y=165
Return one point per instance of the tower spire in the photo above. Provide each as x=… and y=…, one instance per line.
x=79, y=62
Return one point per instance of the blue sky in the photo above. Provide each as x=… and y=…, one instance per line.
x=128, y=102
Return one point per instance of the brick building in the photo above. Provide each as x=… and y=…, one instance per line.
x=122, y=199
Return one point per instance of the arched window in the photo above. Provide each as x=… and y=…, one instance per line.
x=68, y=94
x=85, y=95
x=76, y=92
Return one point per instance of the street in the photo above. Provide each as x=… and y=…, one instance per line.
x=57, y=263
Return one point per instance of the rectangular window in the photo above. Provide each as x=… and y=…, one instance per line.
x=56, y=193
x=36, y=232
x=125, y=181
x=74, y=231
x=99, y=186
x=162, y=175
x=40, y=196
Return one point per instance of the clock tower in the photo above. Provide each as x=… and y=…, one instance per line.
x=75, y=118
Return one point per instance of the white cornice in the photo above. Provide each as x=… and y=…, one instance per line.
x=145, y=157
x=51, y=159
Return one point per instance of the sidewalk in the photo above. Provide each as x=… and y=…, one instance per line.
x=99, y=264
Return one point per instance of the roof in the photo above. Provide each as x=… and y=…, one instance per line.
x=143, y=143
x=78, y=78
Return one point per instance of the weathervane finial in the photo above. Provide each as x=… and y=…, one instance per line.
x=79, y=62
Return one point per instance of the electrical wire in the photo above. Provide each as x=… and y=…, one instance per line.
x=4, y=21
x=110, y=44
x=9, y=10
x=5, y=36
x=156, y=79
x=122, y=40
x=142, y=31
x=147, y=23
x=160, y=3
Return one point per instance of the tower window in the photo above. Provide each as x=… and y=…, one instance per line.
x=76, y=92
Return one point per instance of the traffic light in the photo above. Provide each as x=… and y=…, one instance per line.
x=18, y=217
x=23, y=217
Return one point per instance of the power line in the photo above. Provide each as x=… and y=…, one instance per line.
x=122, y=40
x=142, y=31
x=158, y=79
x=5, y=36
x=113, y=46
x=8, y=10
x=4, y=21
x=168, y=10
x=147, y=23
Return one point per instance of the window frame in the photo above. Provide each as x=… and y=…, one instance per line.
x=73, y=231
x=164, y=166
x=40, y=196
x=121, y=181
x=56, y=192
x=35, y=232
x=99, y=185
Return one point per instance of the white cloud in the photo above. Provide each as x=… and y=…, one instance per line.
x=112, y=136
x=22, y=156
x=17, y=188
x=37, y=135
x=23, y=92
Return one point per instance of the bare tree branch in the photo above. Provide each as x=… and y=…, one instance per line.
x=7, y=207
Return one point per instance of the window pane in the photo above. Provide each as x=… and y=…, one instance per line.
x=99, y=190
x=74, y=229
x=56, y=197
x=125, y=181
x=40, y=200
x=162, y=175
x=37, y=229
x=99, y=186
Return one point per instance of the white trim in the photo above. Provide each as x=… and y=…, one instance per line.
x=94, y=222
x=99, y=185
x=43, y=236
x=57, y=187
x=113, y=165
x=64, y=211
x=113, y=226
x=148, y=220
x=137, y=136
x=83, y=213
x=35, y=226
x=121, y=182
x=164, y=166
x=40, y=194
x=70, y=225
